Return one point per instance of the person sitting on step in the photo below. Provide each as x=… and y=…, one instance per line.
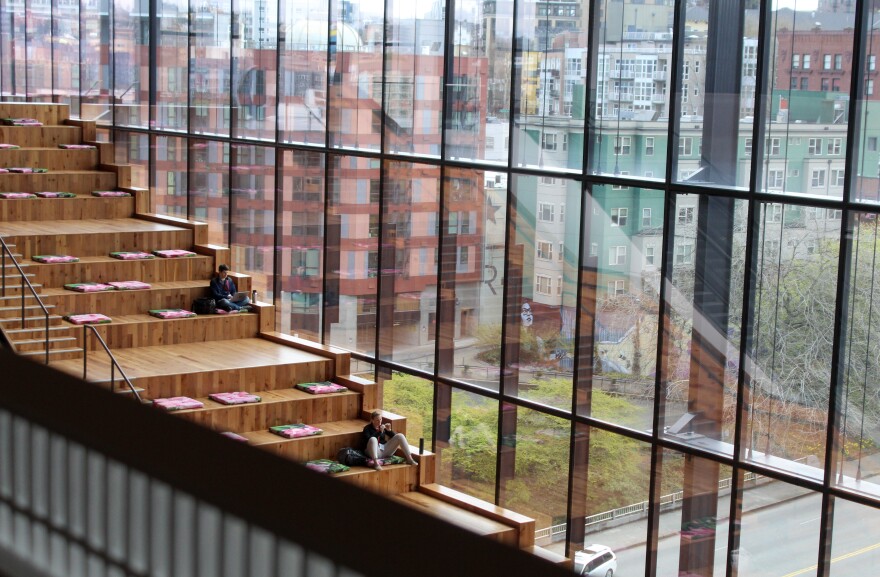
x=226, y=294
x=380, y=442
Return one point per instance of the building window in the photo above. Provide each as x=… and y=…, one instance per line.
x=835, y=214
x=616, y=287
x=806, y=61
x=617, y=255
x=834, y=145
x=775, y=178
x=649, y=254
x=622, y=145
x=649, y=146
x=814, y=147
x=646, y=217
x=805, y=83
x=548, y=141
x=618, y=216
x=775, y=213
x=747, y=147
x=684, y=253
x=817, y=178
x=545, y=250
x=548, y=180
x=685, y=146
x=773, y=146
x=872, y=143
x=872, y=62
x=869, y=87
x=838, y=176
x=824, y=87
x=826, y=62
x=545, y=211
x=795, y=61
x=561, y=251
x=838, y=62
x=542, y=285
x=594, y=249
x=686, y=215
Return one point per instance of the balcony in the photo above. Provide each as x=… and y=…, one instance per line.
x=621, y=96
x=625, y=74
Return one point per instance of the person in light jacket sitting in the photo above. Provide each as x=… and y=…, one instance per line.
x=380, y=442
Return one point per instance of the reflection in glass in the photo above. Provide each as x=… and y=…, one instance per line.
x=408, y=299
x=130, y=60
x=859, y=405
x=466, y=436
x=789, y=371
x=254, y=69
x=866, y=165
x=624, y=250
x=209, y=186
x=478, y=94
x=352, y=250
x=252, y=192
x=472, y=265
x=210, y=52
x=39, y=46
x=96, y=81
x=301, y=229
x=302, y=94
x=543, y=263
x=169, y=194
x=854, y=549
x=172, y=59
x=134, y=149
x=354, y=113
x=414, y=397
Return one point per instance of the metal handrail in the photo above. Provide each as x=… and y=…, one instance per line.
x=114, y=364
x=24, y=281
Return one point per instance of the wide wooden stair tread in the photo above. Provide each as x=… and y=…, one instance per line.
x=463, y=518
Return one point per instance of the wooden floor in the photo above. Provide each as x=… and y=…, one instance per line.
x=188, y=358
x=86, y=226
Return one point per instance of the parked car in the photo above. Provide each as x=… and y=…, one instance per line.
x=595, y=561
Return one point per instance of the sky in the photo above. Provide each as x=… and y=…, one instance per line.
x=795, y=4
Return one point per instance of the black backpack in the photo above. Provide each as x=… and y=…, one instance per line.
x=204, y=306
x=351, y=457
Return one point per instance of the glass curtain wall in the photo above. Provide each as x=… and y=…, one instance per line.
x=616, y=259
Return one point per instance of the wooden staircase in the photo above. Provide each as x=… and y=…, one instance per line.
x=191, y=357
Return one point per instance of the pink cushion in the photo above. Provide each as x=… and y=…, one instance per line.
x=76, y=146
x=174, y=253
x=295, y=431
x=171, y=313
x=17, y=195
x=53, y=258
x=88, y=319
x=321, y=388
x=177, y=403
x=55, y=194
x=22, y=122
x=88, y=287
x=123, y=255
x=5, y=146
x=234, y=436
x=110, y=193
x=129, y=285
x=236, y=398
x=26, y=170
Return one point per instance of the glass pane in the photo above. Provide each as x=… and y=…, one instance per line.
x=624, y=247
x=302, y=94
x=704, y=304
x=352, y=241
x=172, y=59
x=209, y=187
x=692, y=540
x=859, y=405
x=543, y=264
x=413, y=69
x=467, y=432
x=549, y=95
x=39, y=39
x=134, y=149
x=854, y=549
x=254, y=69
x=65, y=40
x=807, y=111
x=619, y=474
x=534, y=465
x=866, y=185
x=169, y=192
x=633, y=84
x=472, y=268
x=408, y=299
x=301, y=228
x=478, y=93
x=355, y=105
x=96, y=84
x=210, y=51
x=791, y=511
x=790, y=365
x=253, y=217
x=130, y=62
x=413, y=397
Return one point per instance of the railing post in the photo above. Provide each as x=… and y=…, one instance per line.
x=85, y=352
x=4, y=268
x=47, y=338
x=22, y=302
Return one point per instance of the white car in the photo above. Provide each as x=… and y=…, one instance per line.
x=595, y=561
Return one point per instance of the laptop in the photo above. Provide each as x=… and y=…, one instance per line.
x=241, y=295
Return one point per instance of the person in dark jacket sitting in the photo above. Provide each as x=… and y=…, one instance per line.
x=380, y=442
x=223, y=290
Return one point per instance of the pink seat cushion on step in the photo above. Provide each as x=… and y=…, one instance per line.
x=55, y=194
x=321, y=388
x=26, y=170
x=110, y=193
x=129, y=285
x=177, y=404
x=17, y=195
x=295, y=431
x=21, y=122
x=171, y=313
x=236, y=398
x=54, y=258
x=136, y=255
x=174, y=253
x=88, y=319
x=5, y=146
x=76, y=146
x=88, y=287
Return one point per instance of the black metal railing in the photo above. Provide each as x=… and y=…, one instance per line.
x=24, y=283
x=114, y=364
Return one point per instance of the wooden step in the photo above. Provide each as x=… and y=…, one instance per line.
x=278, y=407
x=84, y=206
x=37, y=333
x=39, y=344
x=40, y=136
x=105, y=269
x=391, y=480
x=75, y=181
x=463, y=518
x=47, y=113
x=29, y=310
x=55, y=354
x=550, y=556
x=113, y=303
x=14, y=292
x=94, y=237
x=52, y=158
x=336, y=435
x=29, y=322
